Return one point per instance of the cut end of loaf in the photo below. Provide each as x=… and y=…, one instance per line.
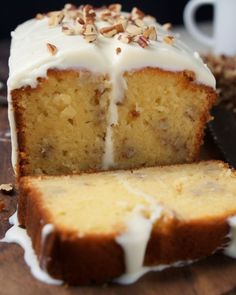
x=90, y=211
x=62, y=123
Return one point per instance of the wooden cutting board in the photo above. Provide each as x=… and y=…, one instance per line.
x=215, y=275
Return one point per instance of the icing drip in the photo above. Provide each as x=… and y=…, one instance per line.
x=19, y=236
x=139, y=228
x=134, y=243
x=231, y=249
x=108, y=158
x=46, y=230
x=119, y=86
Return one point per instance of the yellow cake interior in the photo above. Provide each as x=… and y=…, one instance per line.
x=62, y=123
x=160, y=120
x=102, y=203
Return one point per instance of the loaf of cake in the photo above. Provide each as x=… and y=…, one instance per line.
x=118, y=225
x=96, y=89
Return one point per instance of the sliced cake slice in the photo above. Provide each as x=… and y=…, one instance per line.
x=94, y=228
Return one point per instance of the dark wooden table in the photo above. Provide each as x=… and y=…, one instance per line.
x=215, y=275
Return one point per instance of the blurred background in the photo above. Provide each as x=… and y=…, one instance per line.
x=15, y=12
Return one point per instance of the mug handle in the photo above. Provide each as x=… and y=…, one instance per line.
x=190, y=22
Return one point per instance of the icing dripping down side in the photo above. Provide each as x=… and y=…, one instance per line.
x=46, y=230
x=118, y=88
x=139, y=228
x=231, y=248
x=19, y=236
x=134, y=243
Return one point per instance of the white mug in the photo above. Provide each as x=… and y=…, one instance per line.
x=224, y=25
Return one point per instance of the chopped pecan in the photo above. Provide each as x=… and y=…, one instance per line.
x=150, y=33
x=139, y=23
x=115, y=7
x=118, y=50
x=125, y=38
x=167, y=26
x=39, y=16
x=137, y=13
x=90, y=32
x=112, y=30
x=106, y=15
x=70, y=6
x=52, y=48
x=55, y=18
x=169, y=40
x=89, y=14
x=90, y=38
x=133, y=30
x=68, y=30
x=143, y=42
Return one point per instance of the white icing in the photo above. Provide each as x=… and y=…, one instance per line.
x=231, y=248
x=19, y=236
x=108, y=157
x=46, y=230
x=12, y=124
x=134, y=243
x=137, y=235
x=30, y=59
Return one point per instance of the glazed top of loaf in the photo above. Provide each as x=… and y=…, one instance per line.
x=104, y=40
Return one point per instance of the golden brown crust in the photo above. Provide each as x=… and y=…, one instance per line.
x=99, y=259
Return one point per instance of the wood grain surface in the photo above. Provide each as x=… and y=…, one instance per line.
x=215, y=275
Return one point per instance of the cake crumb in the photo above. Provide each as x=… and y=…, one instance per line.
x=128, y=153
x=6, y=188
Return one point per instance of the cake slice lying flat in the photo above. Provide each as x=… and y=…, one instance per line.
x=93, y=228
